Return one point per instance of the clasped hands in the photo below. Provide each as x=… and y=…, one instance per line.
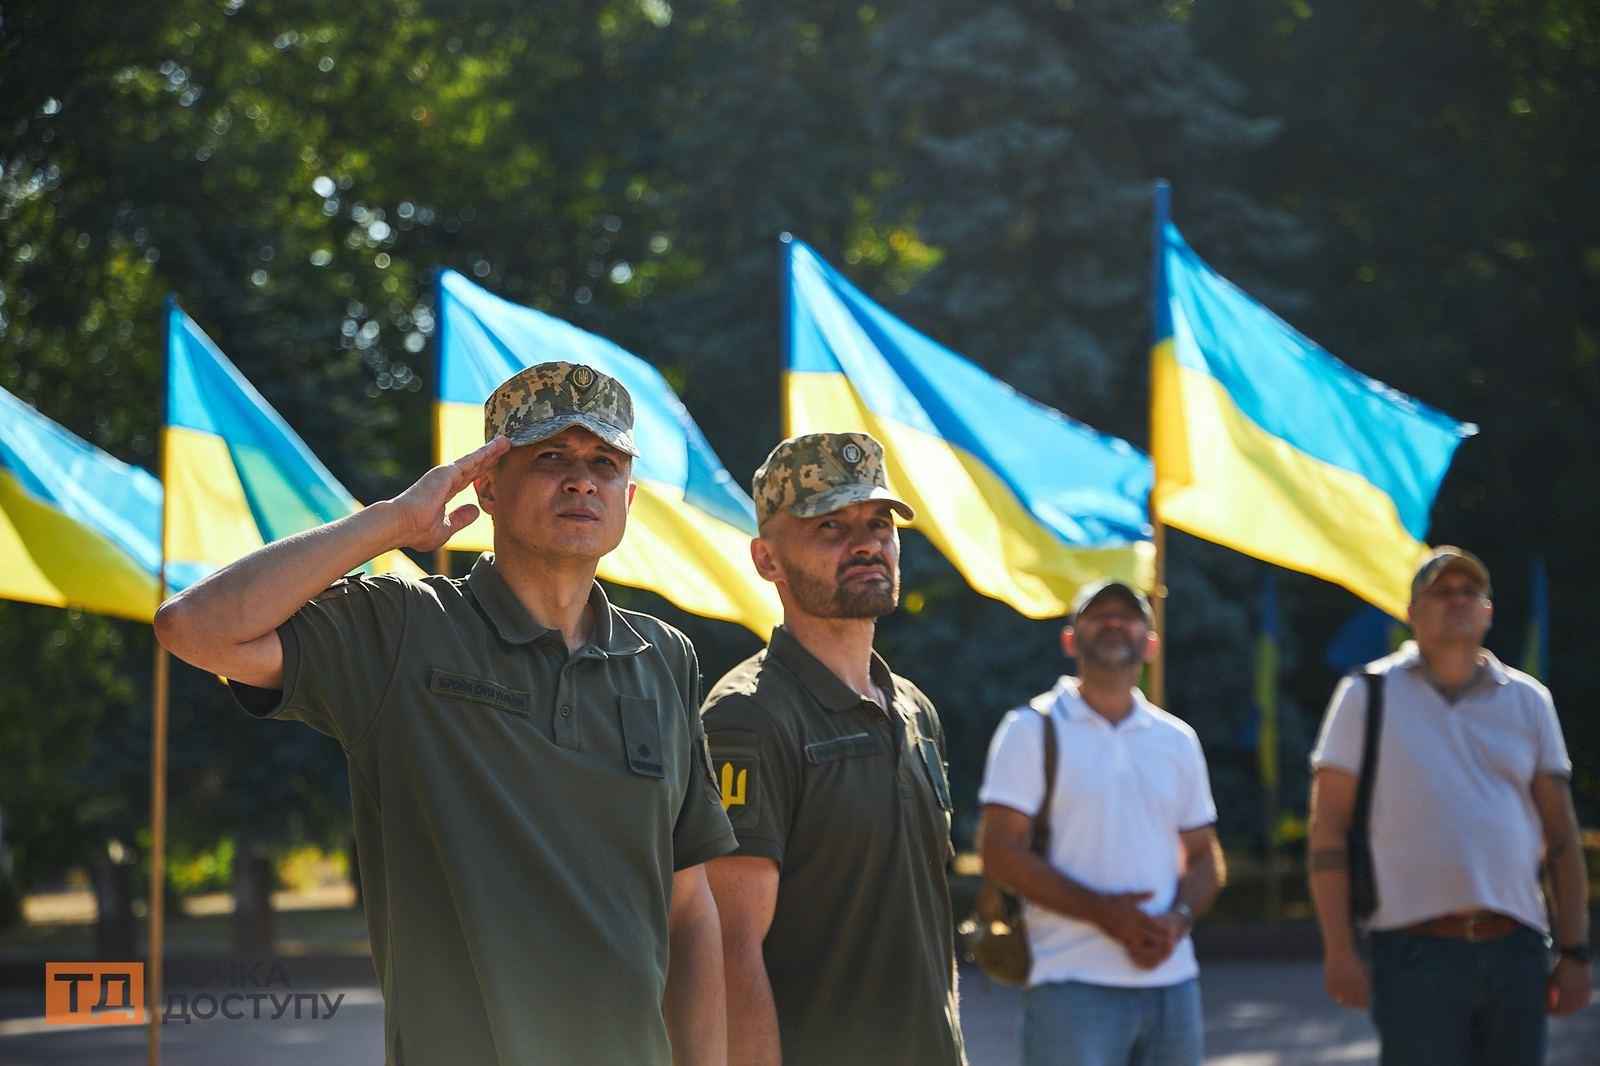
x=1147, y=938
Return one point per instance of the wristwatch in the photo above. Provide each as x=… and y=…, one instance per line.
x=1182, y=911
x=1579, y=952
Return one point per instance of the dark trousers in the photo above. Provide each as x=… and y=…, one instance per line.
x=1443, y=1002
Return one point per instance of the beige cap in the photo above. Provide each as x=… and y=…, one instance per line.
x=1449, y=557
x=1113, y=586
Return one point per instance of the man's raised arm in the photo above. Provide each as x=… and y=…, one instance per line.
x=227, y=622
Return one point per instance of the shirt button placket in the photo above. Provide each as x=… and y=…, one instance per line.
x=566, y=726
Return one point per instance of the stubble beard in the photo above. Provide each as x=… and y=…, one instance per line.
x=834, y=599
x=1110, y=651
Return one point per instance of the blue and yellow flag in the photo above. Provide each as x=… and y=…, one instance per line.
x=1536, y=650
x=1028, y=504
x=77, y=527
x=690, y=526
x=237, y=476
x=1267, y=444
x=1367, y=634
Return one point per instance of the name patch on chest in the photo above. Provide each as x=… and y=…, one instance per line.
x=821, y=751
x=480, y=690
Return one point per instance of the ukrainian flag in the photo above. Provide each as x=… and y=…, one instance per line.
x=237, y=476
x=1267, y=444
x=690, y=526
x=77, y=527
x=1028, y=504
x=1536, y=653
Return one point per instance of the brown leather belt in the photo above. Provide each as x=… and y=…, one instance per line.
x=1483, y=925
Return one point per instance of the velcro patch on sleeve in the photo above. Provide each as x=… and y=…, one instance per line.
x=736, y=767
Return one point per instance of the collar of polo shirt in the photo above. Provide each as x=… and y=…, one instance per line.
x=1410, y=658
x=1065, y=698
x=612, y=634
x=823, y=684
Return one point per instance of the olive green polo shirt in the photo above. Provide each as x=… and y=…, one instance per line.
x=519, y=811
x=854, y=806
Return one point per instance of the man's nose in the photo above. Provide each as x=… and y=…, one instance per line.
x=866, y=541
x=578, y=481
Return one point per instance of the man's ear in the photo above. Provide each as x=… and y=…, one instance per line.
x=633, y=487
x=765, y=560
x=1152, y=646
x=484, y=484
x=1069, y=642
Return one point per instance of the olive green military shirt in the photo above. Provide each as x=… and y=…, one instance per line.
x=854, y=806
x=519, y=812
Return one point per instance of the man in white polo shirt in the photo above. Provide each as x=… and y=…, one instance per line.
x=1132, y=860
x=1470, y=796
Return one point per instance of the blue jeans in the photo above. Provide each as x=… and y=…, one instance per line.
x=1444, y=1002
x=1077, y=1024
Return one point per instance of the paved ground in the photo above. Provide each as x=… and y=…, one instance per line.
x=1257, y=1014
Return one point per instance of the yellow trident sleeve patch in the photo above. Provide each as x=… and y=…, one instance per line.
x=736, y=777
x=734, y=784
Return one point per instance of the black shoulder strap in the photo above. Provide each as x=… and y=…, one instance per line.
x=1041, y=820
x=1369, y=752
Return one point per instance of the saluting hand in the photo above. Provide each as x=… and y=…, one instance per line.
x=419, y=511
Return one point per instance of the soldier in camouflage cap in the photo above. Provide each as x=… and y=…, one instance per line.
x=819, y=473
x=832, y=771
x=518, y=727
x=545, y=399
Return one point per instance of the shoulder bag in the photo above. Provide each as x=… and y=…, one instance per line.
x=995, y=936
x=1363, y=881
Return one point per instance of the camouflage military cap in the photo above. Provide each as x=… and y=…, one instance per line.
x=820, y=473
x=545, y=399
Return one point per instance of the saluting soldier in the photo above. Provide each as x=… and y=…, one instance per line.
x=836, y=923
x=533, y=802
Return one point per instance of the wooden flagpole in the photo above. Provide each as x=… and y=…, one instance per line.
x=158, y=737
x=1157, y=690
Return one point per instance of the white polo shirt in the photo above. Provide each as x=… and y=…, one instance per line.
x=1123, y=793
x=1454, y=826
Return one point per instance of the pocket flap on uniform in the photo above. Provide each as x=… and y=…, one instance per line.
x=935, y=769
x=848, y=747
x=641, y=735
